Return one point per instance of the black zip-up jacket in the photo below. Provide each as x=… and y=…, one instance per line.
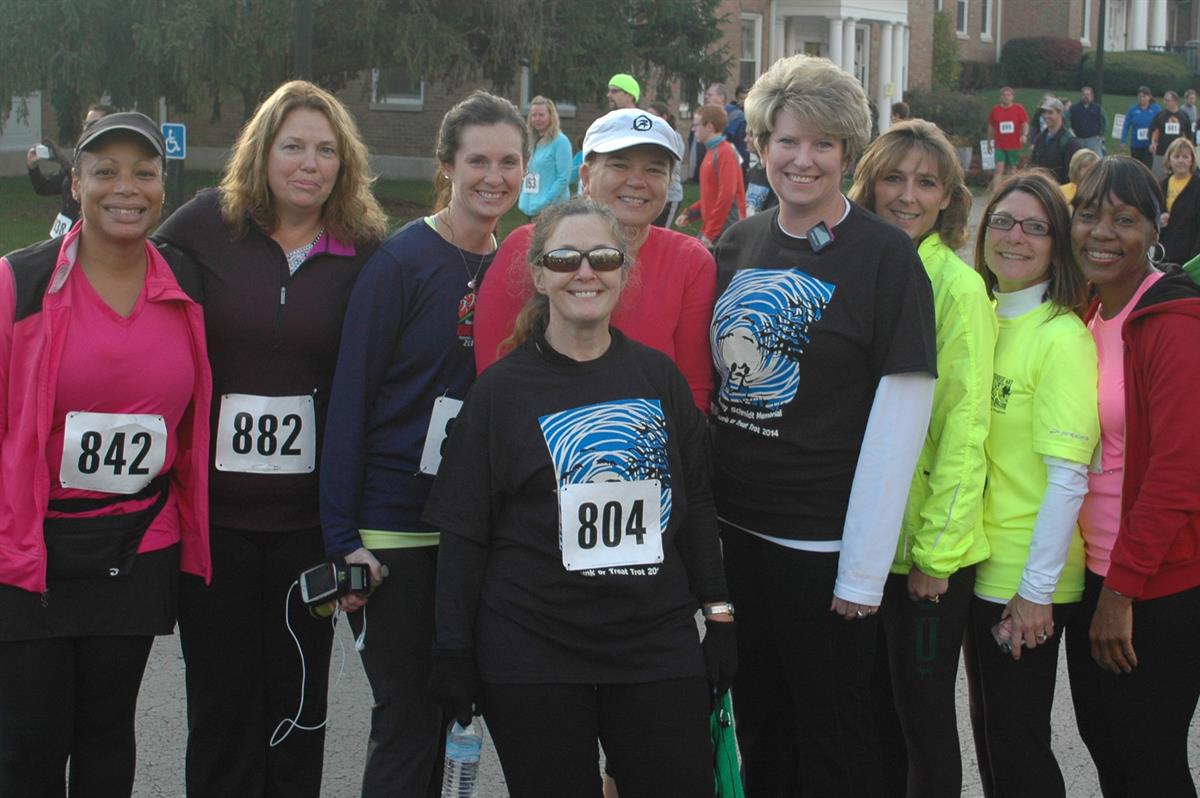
x=269, y=334
x=1181, y=236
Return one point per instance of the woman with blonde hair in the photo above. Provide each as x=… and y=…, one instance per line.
x=1180, y=221
x=1041, y=438
x=280, y=243
x=817, y=298
x=1080, y=162
x=911, y=177
x=549, y=175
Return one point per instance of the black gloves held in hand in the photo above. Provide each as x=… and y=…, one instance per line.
x=454, y=684
x=720, y=655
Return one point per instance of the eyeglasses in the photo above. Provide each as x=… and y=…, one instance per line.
x=1032, y=227
x=601, y=259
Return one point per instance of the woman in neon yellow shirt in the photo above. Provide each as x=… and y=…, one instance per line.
x=1044, y=430
x=911, y=177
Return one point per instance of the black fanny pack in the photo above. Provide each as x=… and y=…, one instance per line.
x=105, y=546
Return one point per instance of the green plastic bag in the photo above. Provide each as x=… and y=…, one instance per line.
x=727, y=773
x=1192, y=267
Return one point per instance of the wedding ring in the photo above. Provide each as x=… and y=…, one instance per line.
x=936, y=599
x=1041, y=637
x=860, y=613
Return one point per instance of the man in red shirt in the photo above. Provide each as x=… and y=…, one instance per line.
x=722, y=192
x=1008, y=125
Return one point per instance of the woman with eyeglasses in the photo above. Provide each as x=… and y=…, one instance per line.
x=1132, y=651
x=578, y=540
x=1043, y=432
x=911, y=177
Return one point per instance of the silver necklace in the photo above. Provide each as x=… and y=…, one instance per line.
x=472, y=279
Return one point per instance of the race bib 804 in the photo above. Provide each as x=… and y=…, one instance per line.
x=610, y=524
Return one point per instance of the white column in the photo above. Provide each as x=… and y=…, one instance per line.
x=908, y=51
x=883, y=101
x=835, y=41
x=1158, y=23
x=1136, y=18
x=777, y=25
x=899, y=62
x=848, y=26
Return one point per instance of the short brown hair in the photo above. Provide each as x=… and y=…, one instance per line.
x=714, y=116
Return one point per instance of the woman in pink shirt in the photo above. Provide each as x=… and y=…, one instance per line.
x=1132, y=648
x=104, y=391
x=628, y=156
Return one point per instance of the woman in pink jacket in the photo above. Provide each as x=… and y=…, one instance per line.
x=104, y=391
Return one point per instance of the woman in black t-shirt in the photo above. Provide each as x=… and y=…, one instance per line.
x=565, y=633
x=823, y=340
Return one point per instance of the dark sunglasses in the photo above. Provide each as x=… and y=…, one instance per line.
x=601, y=259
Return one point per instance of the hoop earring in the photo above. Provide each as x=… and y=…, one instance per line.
x=1157, y=254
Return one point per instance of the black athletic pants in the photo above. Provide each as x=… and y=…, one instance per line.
x=244, y=672
x=1145, y=155
x=69, y=697
x=916, y=671
x=1011, y=703
x=1135, y=725
x=802, y=695
x=655, y=735
x=408, y=733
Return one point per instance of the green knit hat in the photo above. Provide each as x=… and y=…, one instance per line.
x=627, y=84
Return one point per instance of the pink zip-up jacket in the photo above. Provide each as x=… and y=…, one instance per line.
x=35, y=315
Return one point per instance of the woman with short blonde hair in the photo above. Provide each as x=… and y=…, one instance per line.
x=1180, y=220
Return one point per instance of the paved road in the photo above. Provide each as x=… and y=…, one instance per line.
x=162, y=725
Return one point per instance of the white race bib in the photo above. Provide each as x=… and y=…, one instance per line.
x=445, y=410
x=1171, y=128
x=266, y=434
x=1143, y=134
x=610, y=524
x=60, y=227
x=112, y=452
x=1007, y=127
x=531, y=183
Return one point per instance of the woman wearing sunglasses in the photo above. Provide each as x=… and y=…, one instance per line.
x=911, y=177
x=1132, y=650
x=628, y=157
x=404, y=366
x=1043, y=432
x=579, y=539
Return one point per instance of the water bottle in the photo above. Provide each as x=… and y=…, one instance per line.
x=460, y=778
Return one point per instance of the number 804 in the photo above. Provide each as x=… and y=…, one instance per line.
x=609, y=529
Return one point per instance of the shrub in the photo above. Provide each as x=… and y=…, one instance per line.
x=979, y=75
x=1124, y=72
x=946, y=66
x=1041, y=61
x=963, y=117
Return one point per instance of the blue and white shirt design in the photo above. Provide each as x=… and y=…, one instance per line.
x=624, y=440
x=761, y=326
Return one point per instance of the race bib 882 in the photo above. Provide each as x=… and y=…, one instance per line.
x=266, y=434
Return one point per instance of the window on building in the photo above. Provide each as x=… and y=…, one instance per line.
x=566, y=109
x=397, y=88
x=985, y=27
x=960, y=19
x=750, y=64
x=1086, y=37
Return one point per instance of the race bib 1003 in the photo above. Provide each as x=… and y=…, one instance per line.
x=610, y=524
x=112, y=452
x=266, y=434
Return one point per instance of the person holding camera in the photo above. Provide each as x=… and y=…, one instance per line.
x=405, y=365
x=104, y=399
x=280, y=243
x=59, y=183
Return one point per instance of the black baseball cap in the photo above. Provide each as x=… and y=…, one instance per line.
x=129, y=121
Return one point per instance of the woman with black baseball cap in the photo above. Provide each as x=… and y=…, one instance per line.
x=104, y=392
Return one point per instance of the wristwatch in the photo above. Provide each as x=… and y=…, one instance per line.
x=718, y=609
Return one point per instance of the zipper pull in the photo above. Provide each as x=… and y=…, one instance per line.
x=283, y=294
x=46, y=597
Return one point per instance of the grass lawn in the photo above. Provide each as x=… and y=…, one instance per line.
x=25, y=218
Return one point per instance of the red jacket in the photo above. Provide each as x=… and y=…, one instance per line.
x=34, y=317
x=720, y=187
x=1157, y=551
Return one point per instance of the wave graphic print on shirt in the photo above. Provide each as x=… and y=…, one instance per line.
x=760, y=328
x=622, y=440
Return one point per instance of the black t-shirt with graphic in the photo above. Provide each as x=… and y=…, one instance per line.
x=536, y=421
x=800, y=341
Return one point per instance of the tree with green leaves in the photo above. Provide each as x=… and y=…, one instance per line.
x=946, y=66
x=194, y=52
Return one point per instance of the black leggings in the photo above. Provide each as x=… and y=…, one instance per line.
x=1136, y=725
x=1011, y=702
x=654, y=734
x=69, y=698
x=916, y=671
